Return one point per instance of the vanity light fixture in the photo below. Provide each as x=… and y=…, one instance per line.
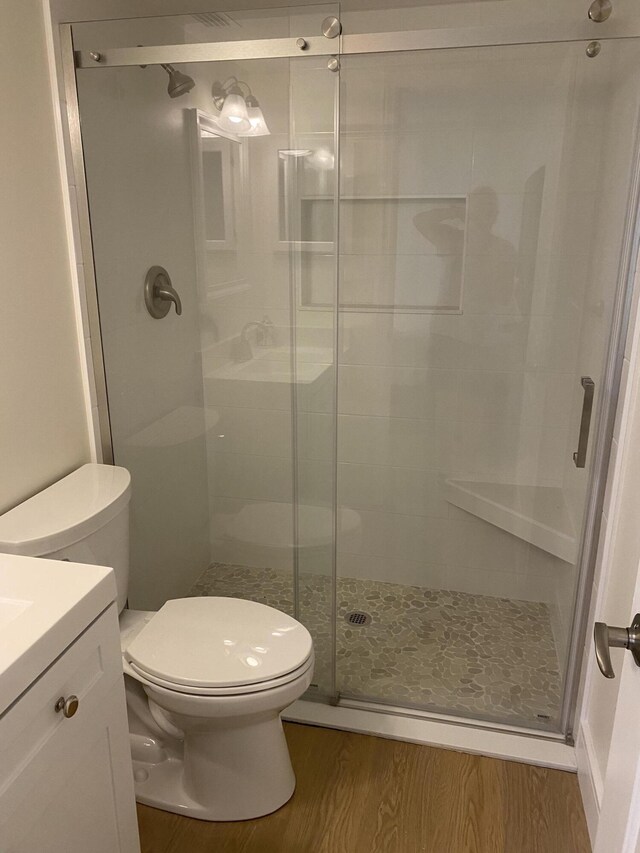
x=258, y=124
x=239, y=112
x=233, y=115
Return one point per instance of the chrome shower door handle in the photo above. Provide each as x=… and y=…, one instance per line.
x=606, y=638
x=580, y=456
x=160, y=294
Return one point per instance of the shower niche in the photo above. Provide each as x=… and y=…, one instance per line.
x=397, y=254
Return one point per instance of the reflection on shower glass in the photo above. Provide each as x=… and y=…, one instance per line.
x=396, y=254
x=213, y=194
x=305, y=196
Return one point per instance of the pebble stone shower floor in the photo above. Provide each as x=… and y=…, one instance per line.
x=433, y=649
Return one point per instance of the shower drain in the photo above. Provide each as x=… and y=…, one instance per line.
x=358, y=617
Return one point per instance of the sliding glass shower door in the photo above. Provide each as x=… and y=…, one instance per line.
x=216, y=410
x=378, y=407
x=483, y=205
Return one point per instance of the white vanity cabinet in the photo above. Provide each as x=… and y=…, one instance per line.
x=66, y=782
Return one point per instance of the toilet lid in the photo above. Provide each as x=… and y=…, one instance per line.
x=219, y=642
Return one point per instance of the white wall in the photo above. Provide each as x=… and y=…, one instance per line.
x=43, y=427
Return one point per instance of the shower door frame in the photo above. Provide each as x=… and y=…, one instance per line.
x=344, y=45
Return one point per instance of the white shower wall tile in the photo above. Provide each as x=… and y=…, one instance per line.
x=553, y=343
x=511, y=453
x=224, y=390
x=437, y=163
x=492, y=286
x=236, y=539
x=487, y=396
x=534, y=398
x=395, y=441
x=252, y=477
x=315, y=482
x=494, y=163
x=408, y=491
x=494, y=222
x=560, y=284
x=403, y=392
x=439, y=576
x=406, y=537
x=315, y=435
x=235, y=430
x=395, y=280
x=262, y=432
x=578, y=221
x=403, y=340
x=470, y=543
x=495, y=342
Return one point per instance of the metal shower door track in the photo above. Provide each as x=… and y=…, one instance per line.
x=207, y=52
x=346, y=44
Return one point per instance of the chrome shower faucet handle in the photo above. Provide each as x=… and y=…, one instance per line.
x=159, y=293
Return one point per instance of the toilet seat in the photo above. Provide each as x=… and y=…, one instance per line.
x=213, y=646
x=241, y=689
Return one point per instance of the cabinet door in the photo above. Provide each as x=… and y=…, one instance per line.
x=66, y=783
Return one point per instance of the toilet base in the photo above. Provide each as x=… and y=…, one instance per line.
x=212, y=757
x=237, y=773
x=162, y=787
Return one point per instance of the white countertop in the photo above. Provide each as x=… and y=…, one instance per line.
x=44, y=606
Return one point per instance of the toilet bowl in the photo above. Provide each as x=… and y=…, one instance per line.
x=206, y=678
x=217, y=673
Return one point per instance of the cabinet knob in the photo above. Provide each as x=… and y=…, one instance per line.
x=68, y=706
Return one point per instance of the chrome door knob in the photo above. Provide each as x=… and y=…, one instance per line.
x=605, y=638
x=68, y=706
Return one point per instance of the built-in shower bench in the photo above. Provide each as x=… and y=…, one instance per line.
x=537, y=514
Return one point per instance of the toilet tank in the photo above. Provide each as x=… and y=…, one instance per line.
x=83, y=518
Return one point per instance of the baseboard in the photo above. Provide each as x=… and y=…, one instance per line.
x=511, y=746
x=589, y=778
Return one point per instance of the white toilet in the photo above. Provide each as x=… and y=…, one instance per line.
x=206, y=678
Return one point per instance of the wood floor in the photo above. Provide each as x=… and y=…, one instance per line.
x=361, y=794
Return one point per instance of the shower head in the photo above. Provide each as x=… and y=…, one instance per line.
x=179, y=83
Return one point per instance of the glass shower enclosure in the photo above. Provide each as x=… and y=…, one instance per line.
x=385, y=402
